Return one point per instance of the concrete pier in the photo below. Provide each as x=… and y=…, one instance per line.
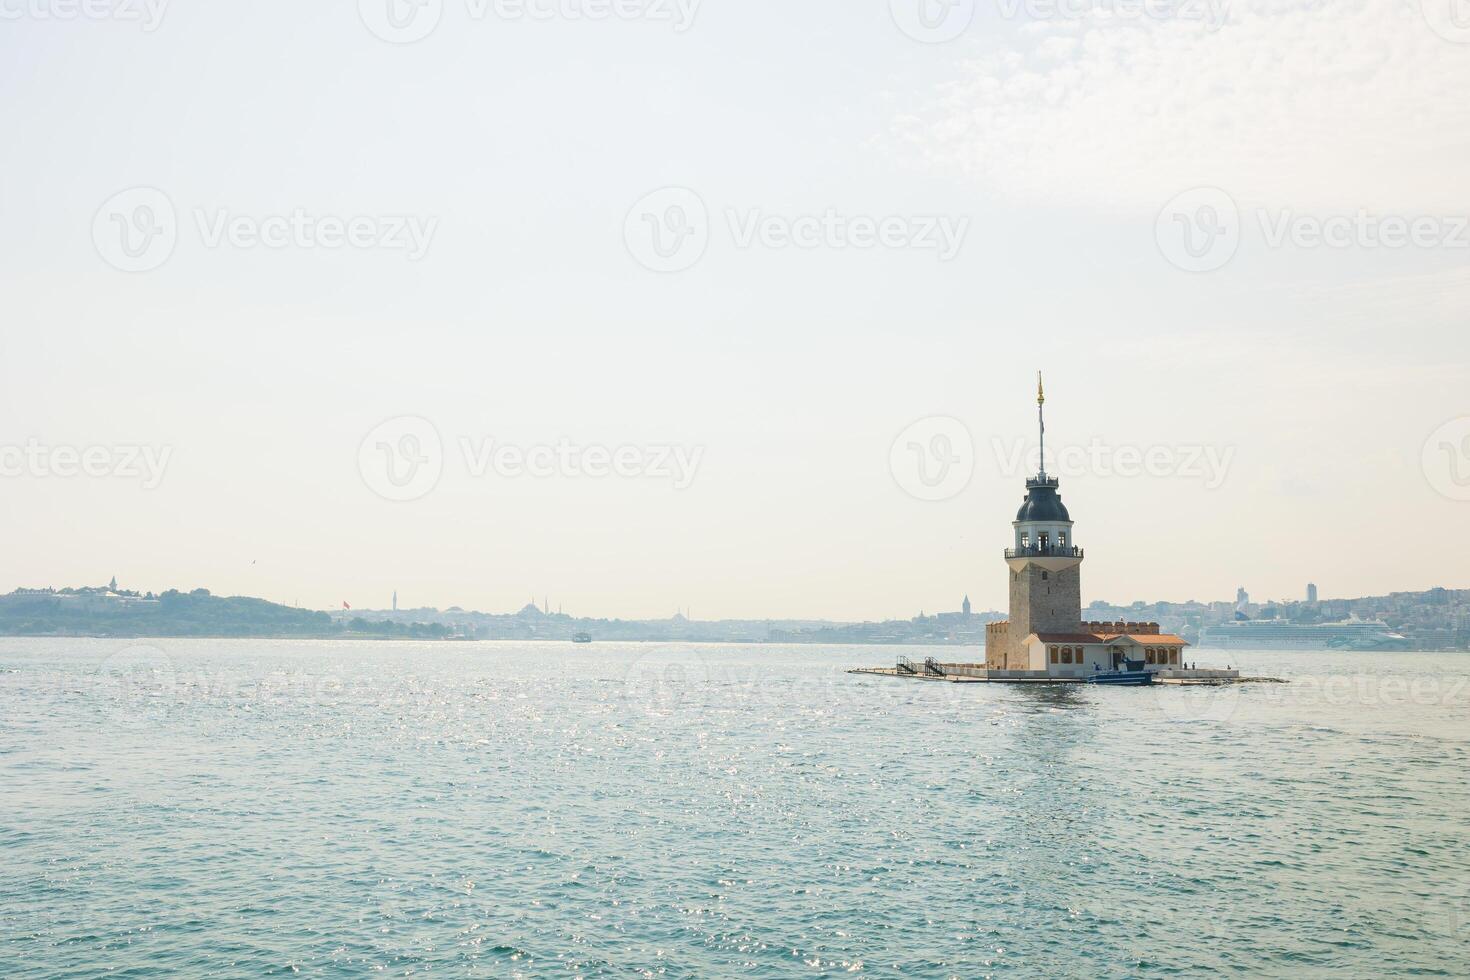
x=962, y=673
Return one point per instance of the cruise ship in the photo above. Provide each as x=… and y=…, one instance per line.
x=1276, y=634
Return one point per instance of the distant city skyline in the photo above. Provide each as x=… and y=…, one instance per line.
x=1437, y=619
x=349, y=608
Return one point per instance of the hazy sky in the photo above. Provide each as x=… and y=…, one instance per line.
x=1234, y=238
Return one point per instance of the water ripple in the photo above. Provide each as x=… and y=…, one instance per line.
x=217, y=808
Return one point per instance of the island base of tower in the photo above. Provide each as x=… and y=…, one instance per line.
x=980, y=674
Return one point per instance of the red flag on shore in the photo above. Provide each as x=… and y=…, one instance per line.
x=346, y=606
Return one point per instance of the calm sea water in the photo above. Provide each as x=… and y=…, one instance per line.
x=237, y=808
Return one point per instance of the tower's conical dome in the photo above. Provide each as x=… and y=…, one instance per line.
x=1043, y=503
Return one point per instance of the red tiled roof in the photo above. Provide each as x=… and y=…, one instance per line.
x=1147, y=639
x=1068, y=637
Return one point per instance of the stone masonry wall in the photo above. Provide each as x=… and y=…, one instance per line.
x=997, y=645
x=1049, y=604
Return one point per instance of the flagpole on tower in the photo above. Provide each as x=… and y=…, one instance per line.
x=1041, y=422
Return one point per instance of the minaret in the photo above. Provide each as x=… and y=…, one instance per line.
x=1045, y=566
x=395, y=600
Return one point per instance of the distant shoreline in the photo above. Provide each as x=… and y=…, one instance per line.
x=704, y=641
x=365, y=637
x=1438, y=619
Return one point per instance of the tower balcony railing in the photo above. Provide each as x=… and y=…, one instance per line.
x=1044, y=551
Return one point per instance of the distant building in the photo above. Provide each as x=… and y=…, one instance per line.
x=1311, y=592
x=30, y=597
x=965, y=606
x=395, y=600
x=1242, y=597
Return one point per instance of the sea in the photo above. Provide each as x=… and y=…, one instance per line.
x=243, y=808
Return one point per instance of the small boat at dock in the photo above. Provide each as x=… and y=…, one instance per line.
x=1131, y=674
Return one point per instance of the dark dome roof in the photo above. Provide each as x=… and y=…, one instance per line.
x=1043, y=503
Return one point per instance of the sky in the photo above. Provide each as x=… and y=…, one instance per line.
x=642, y=305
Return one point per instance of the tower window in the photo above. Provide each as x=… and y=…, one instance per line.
x=1062, y=539
x=1043, y=576
x=1025, y=540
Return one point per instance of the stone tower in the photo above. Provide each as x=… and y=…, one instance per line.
x=1045, y=567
